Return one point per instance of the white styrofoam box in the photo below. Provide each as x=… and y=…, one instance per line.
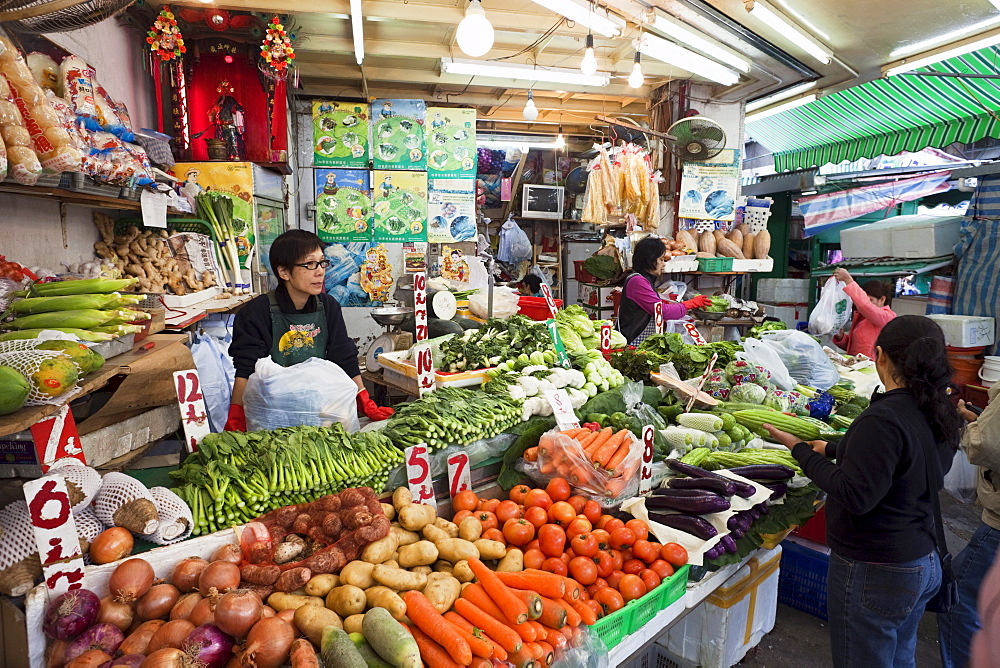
x=162, y=559
x=179, y=301
x=120, y=438
x=733, y=619
x=933, y=236
x=598, y=296
x=873, y=240
x=783, y=290
x=681, y=264
x=966, y=331
x=790, y=314
x=754, y=266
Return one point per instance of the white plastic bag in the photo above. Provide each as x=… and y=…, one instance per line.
x=833, y=311
x=962, y=478
x=505, y=302
x=217, y=373
x=763, y=354
x=803, y=357
x=514, y=244
x=316, y=392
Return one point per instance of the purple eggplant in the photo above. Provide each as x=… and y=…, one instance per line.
x=762, y=508
x=687, y=501
x=691, y=524
x=713, y=553
x=764, y=472
x=728, y=544
x=742, y=489
x=720, y=487
x=778, y=490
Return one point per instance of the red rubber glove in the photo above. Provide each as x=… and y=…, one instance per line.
x=701, y=301
x=374, y=412
x=237, y=418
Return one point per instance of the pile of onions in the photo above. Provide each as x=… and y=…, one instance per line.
x=92, y=658
x=185, y=604
x=116, y=613
x=268, y=643
x=186, y=573
x=171, y=634
x=104, y=637
x=218, y=578
x=70, y=614
x=131, y=580
x=157, y=602
x=127, y=661
x=203, y=613
x=111, y=545
x=237, y=612
x=137, y=642
x=229, y=552
x=209, y=646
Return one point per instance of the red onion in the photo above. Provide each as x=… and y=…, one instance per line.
x=209, y=646
x=186, y=573
x=168, y=657
x=115, y=613
x=157, y=602
x=218, y=578
x=129, y=661
x=184, y=605
x=131, y=579
x=268, y=643
x=70, y=614
x=104, y=637
x=229, y=552
x=137, y=642
x=171, y=634
x=203, y=613
x=237, y=611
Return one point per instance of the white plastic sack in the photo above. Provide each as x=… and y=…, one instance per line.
x=316, y=392
x=763, y=354
x=217, y=373
x=833, y=311
x=505, y=302
x=514, y=244
x=803, y=357
x=962, y=479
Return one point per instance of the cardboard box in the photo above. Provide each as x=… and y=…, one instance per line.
x=597, y=296
x=791, y=314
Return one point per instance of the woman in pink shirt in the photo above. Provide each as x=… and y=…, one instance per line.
x=871, y=313
x=639, y=298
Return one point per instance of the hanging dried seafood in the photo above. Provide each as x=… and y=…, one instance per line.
x=621, y=184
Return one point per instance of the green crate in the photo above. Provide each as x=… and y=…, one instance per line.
x=715, y=264
x=195, y=225
x=613, y=628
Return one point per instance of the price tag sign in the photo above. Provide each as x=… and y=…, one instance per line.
x=605, y=337
x=547, y=293
x=658, y=316
x=425, y=369
x=55, y=533
x=563, y=358
x=459, y=473
x=194, y=416
x=420, y=305
x=56, y=439
x=694, y=333
x=562, y=410
x=418, y=474
x=646, y=472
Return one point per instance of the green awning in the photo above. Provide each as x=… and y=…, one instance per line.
x=888, y=116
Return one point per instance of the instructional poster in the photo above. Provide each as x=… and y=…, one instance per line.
x=451, y=142
x=451, y=210
x=398, y=134
x=234, y=179
x=709, y=188
x=340, y=134
x=343, y=205
x=400, y=205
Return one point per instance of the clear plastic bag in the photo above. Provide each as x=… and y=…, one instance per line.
x=514, y=243
x=643, y=414
x=833, y=311
x=962, y=479
x=591, y=652
x=803, y=357
x=316, y=392
x=217, y=373
x=763, y=354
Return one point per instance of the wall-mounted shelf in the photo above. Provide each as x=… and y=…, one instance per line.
x=74, y=197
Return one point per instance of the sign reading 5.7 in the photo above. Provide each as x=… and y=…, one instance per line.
x=418, y=474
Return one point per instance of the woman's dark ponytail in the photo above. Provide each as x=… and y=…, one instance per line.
x=916, y=347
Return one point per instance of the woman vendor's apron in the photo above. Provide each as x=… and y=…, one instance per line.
x=296, y=336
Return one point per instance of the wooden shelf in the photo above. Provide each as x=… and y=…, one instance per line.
x=77, y=198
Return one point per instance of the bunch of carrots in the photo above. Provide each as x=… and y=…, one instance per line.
x=591, y=459
x=526, y=618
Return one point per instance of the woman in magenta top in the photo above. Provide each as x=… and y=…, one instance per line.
x=638, y=303
x=871, y=313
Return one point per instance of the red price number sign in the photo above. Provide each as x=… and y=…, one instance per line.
x=658, y=315
x=420, y=304
x=459, y=474
x=694, y=333
x=605, y=337
x=57, y=439
x=55, y=533
x=562, y=410
x=646, y=472
x=547, y=293
x=194, y=416
x=418, y=474
x=425, y=370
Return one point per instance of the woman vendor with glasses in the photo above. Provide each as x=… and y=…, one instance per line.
x=294, y=322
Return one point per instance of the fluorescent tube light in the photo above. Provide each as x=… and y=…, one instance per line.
x=515, y=72
x=969, y=47
x=581, y=14
x=358, y=30
x=680, y=57
x=791, y=32
x=947, y=37
x=686, y=35
x=764, y=113
x=762, y=102
x=523, y=142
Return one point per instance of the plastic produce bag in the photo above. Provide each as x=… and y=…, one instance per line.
x=514, y=243
x=962, y=478
x=316, y=392
x=642, y=414
x=803, y=357
x=217, y=373
x=833, y=311
x=505, y=303
x=763, y=354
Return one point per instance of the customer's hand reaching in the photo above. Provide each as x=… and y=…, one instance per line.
x=783, y=437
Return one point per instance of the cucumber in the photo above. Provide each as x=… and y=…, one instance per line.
x=338, y=650
x=367, y=653
x=389, y=639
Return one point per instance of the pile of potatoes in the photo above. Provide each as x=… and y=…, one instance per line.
x=422, y=551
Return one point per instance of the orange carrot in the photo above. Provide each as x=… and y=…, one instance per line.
x=461, y=622
x=620, y=454
x=568, y=632
x=494, y=628
x=608, y=448
x=431, y=652
x=573, y=433
x=536, y=651
x=531, y=454
x=422, y=613
x=550, y=654
x=540, y=630
x=602, y=437
x=586, y=613
x=574, y=590
x=542, y=582
x=556, y=639
x=476, y=595
x=478, y=645
x=532, y=600
x=553, y=614
x=572, y=616
x=480, y=662
x=513, y=607
x=526, y=631
x=522, y=659
x=588, y=439
x=303, y=654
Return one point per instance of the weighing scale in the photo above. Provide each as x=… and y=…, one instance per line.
x=389, y=317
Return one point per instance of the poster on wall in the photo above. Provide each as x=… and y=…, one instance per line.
x=343, y=276
x=234, y=179
x=340, y=134
x=451, y=142
x=451, y=210
x=709, y=188
x=400, y=205
x=398, y=134
x=343, y=204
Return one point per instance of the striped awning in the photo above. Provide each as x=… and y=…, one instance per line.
x=888, y=116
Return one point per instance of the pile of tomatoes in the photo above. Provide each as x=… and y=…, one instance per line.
x=615, y=561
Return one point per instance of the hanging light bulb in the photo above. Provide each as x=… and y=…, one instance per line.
x=560, y=140
x=635, y=79
x=475, y=32
x=530, y=112
x=589, y=63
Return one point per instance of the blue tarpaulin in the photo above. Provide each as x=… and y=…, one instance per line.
x=977, y=289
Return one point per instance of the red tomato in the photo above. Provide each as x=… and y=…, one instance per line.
x=555, y=565
x=632, y=587
x=622, y=538
x=578, y=503
x=538, y=497
x=518, y=493
x=534, y=558
x=466, y=500
x=618, y=558
x=639, y=528
x=561, y=513
x=577, y=527
x=648, y=552
x=674, y=554
x=596, y=607
x=518, y=532
x=536, y=515
x=599, y=584
x=602, y=521
x=494, y=534
x=533, y=545
x=615, y=578
x=592, y=509
x=461, y=515
x=558, y=489
x=488, y=519
x=603, y=539
x=662, y=568
x=583, y=570
x=605, y=564
x=552, y=540
x=490, y=505
x=633, y=566
x=650, y=578
x=507, y=510
x=609, y=599
x=584, y=544
x=612, y=524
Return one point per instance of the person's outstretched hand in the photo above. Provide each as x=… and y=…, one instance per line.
x=701, y=301
x=842, y=274
x=373, y=411
x=236, y=420
x=783, y=437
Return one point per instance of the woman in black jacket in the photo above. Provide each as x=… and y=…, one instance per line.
x=880, y=521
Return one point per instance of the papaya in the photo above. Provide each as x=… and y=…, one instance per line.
x=14, y=390
x=55, y=376
x=86, y=359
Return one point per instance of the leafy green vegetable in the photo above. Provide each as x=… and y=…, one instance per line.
x=637, y=364
x=718, y=305
x=770, y=326
x=602, y=266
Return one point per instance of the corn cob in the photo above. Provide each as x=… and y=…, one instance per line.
x=754, y=419
x=83, y=286
x=82, y=334
x=702, y=421
x=72, y=303
x=118, y=330
x=80, y=318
